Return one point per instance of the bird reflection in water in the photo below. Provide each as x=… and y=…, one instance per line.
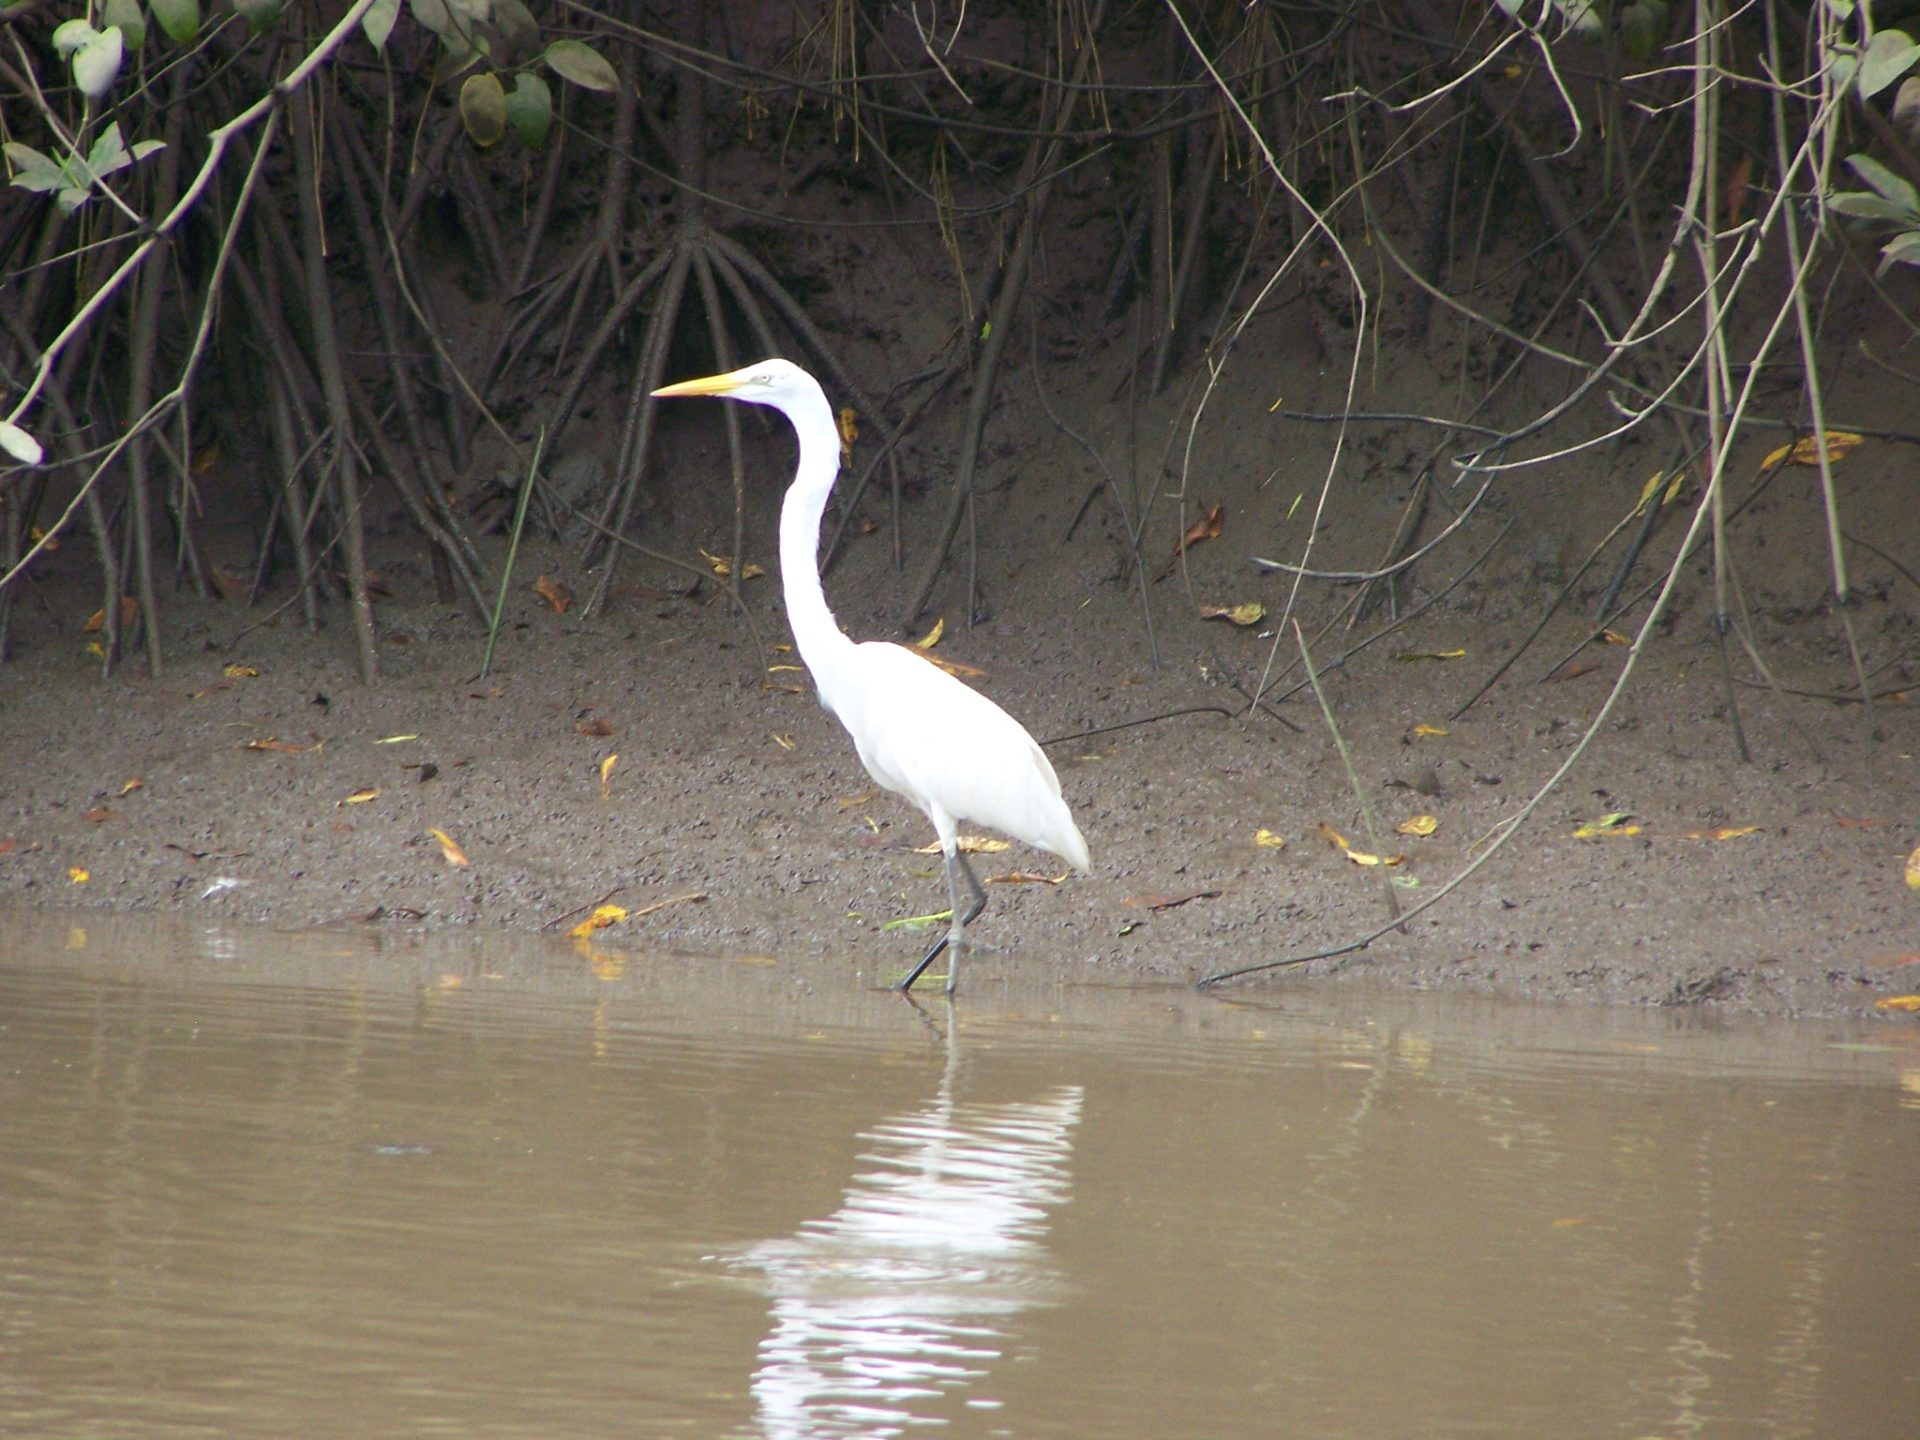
x=895, y=1304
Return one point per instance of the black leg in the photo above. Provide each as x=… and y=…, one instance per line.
x=978, y=904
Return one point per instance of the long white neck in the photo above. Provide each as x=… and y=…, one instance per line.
x=815, y=631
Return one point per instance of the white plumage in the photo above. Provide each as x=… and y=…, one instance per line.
x=920, y=732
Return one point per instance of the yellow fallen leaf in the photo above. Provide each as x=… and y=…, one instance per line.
x=775, y=669
x=970, y=845
x=785, y=742
x=1418, y=825
x=1806, y=450
x=94, y=647
x=1332, y=836
x=1407, y=656
x=606, y=773
x=1723, y=832
x=362, y=795
x=237, y=671
x=1248, y=612
x=79, y=875
x=932, y=637
x=1908, y=1003
x=1605, y=826
x=849, y=424
x=557, y=596
x=1361, y=857
x=395, y=739
x=1267, y=840
x=1426, y=731
x=600, y=919
x=450, y=848
x=1913, y=870
x=1027, y=877
x=1652, y=487
x=723, y=567
x=136, y=783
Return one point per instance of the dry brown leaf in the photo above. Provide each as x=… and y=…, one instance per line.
x=854, y=802
x=955, y=667
x=1169, y=902
x=237, y=671
x=1026, y=877
x=1572, y=670
x=100, y=813
x=450, y=848
x=1208, y=527
x=597, y=728
x=96, y=622
x=558, y=596
x=691, y=897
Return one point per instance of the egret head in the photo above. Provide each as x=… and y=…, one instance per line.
x=774, y=382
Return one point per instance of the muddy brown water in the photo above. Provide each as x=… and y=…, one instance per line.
x=328, y=1185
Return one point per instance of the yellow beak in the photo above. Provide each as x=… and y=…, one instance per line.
x=707, y=385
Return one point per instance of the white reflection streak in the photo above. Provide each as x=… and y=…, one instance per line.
x=894, y=1297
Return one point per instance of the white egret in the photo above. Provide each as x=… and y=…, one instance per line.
x=920, y=732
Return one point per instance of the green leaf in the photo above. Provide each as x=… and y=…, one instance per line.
x=1894, y=187
x=260, y=15
x=483, y=108
x=436, y=17
x=108, y=152
x=32, y=170
x=179, y=18
x=517, y=26
x=530, y=110
x=131, y=20
x=1890, y=54
x=1643, y=25
x=1865, y=205
x=456, y=57
x=19, y=444
x=580, y=64
x=96, y=63
x=377, y=23
x=1903, y=249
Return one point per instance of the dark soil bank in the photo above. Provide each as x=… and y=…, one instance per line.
x=296, y=797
